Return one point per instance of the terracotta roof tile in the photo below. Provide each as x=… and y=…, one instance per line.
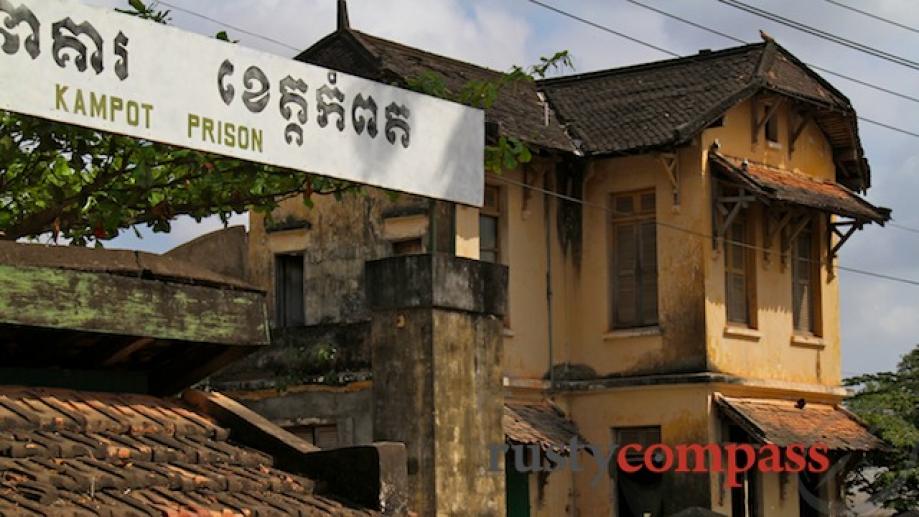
x=783, y=423
x=83, y=453
x=538, y=423
x=796, y=188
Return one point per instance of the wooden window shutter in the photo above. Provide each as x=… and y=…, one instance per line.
x=289, y=308
x=626, y=299
x=648, y=272
x=634, y=261
x=803, y=280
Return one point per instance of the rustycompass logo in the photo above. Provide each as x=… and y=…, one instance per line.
x=732, y=459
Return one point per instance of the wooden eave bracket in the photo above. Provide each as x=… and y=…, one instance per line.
x=843, y=230
x=796, y=131
x=796, y=225
x=671, y=164
x=725, y=209
x=758, y=123
x=773, y=225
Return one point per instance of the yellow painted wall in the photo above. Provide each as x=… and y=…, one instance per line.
x=680, y=410
x=769, y=352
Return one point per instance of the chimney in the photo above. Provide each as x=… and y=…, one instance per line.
x=343, y=22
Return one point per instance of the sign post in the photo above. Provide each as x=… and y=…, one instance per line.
x=104, y=70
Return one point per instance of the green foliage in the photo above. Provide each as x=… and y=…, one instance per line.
x=889, y=403
x=507, y=153
x=88, y=186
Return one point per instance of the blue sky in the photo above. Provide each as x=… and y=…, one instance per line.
x=880, y=319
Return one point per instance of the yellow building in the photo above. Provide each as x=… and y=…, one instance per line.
x=671, y=251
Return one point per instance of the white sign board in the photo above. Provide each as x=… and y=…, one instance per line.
x=104, y=70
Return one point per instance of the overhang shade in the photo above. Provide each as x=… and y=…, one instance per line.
x=539, y=423
x=140, y=322
x=773, y=184
x=786, y=422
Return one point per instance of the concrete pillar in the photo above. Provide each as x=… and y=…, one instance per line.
x=436, y=337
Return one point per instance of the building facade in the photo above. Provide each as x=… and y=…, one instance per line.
x=671, y=251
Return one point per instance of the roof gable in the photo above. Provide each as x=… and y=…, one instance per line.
x=666, y=103
x=518, y=111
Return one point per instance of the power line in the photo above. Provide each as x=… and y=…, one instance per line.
x=743, y=42
x=228, y=26
x=674, y=54
x=872, y=15
x=580, y=201
x=807, y=29
x=905, y=228
x=603, y=27
x=704, y=235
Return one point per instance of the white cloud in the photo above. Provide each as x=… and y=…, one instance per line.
x=878, y=317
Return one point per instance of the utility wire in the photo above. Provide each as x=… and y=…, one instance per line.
x=602, y=27
x=872, y=15
x=228, y=26
x=703, y=235
x=582, y=20
x=807, y=29
x=743, y=42
x=674, y=54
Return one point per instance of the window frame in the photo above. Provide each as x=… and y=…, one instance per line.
x=744, y=217
x=771, y=130
x=491, y=210
x=281, y=313
x=812, y=264
x=637, y=218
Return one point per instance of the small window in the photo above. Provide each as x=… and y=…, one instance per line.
x=322, y=436
x=772, y=125
x=289, y=311
x=408, y=247
x=740, y=273
x=805, y=273
x=633, y=261
x=489, y=219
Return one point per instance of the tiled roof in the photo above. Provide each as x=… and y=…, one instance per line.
x=538, y=423
x=790, y=187
x=65, y=452
x=784, y=423
x=518, y=109
x=667, y=102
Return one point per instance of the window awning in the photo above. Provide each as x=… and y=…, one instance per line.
x=787, y=422
x=539, y=423
x=772, y=184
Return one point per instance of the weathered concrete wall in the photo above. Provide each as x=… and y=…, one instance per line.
x=335, y=238
x=349, y=407
x=223, y=251
x=437, y=376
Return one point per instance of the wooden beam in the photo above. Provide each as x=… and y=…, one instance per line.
x=123, y=353
x=796, y=132
x=113, y=304
x=757, y=123
x=671, y=164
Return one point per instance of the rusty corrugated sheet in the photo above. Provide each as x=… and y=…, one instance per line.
x=83, y=453
x=784, y=423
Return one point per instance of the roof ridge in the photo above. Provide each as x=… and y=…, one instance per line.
x=360, y=34
x=651, y=65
